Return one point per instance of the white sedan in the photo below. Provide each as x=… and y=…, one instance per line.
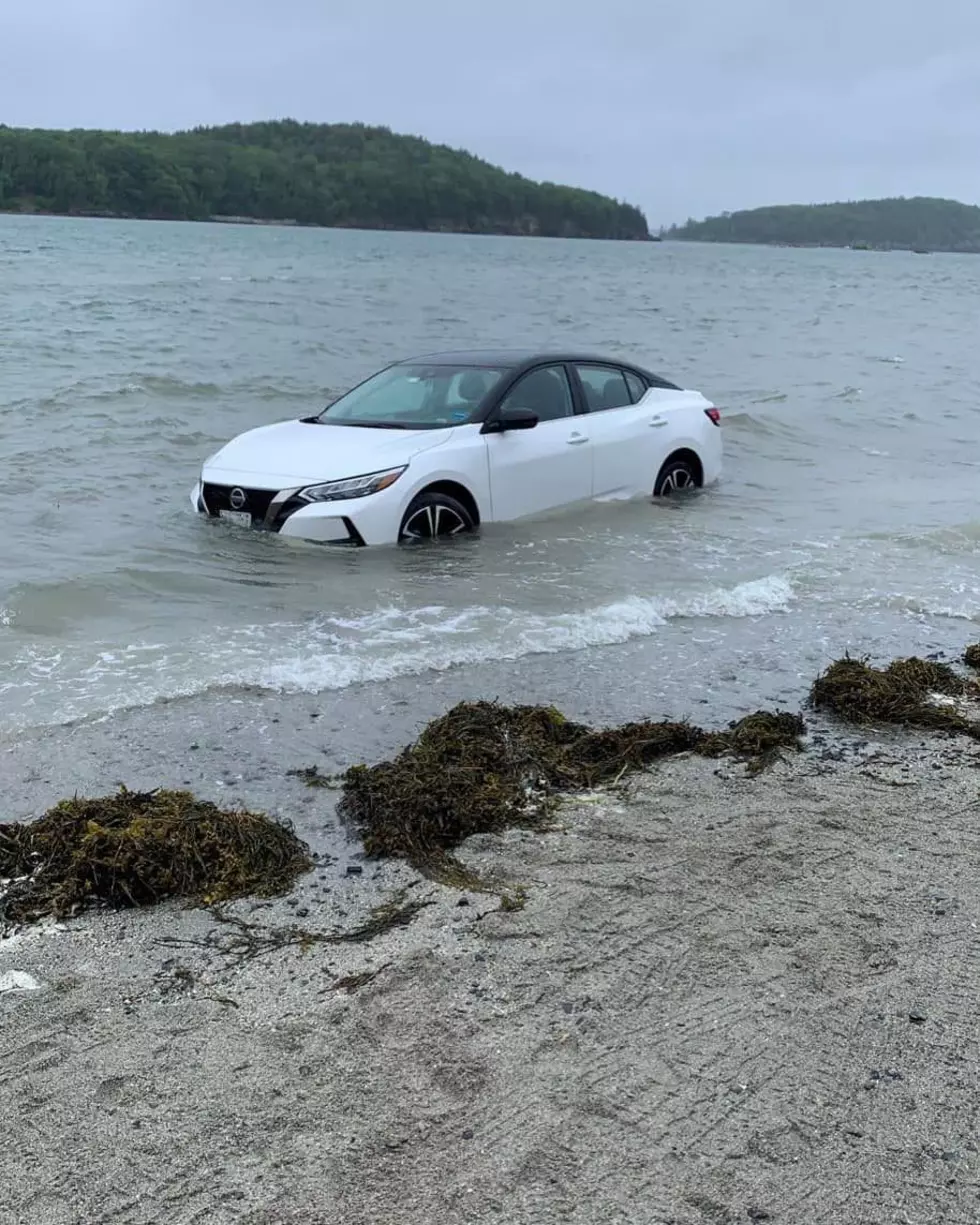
x=436, y=445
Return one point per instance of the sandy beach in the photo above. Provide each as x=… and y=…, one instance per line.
x=725, y=999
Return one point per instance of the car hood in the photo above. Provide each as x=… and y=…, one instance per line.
x=295, y=453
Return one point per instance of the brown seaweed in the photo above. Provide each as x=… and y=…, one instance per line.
x=140, y=848
x=484, y=767
x=900, y=694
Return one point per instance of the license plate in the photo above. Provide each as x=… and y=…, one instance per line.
x=240, y=518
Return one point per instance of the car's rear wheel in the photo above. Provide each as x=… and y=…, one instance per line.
x=678, y=475
x=433, y=516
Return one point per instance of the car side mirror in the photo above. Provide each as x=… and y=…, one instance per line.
x=511, y=419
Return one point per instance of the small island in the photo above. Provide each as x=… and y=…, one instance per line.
x=920, y=223
x=344, y=175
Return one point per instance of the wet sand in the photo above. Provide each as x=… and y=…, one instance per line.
x=239, y=744
x=725, y=999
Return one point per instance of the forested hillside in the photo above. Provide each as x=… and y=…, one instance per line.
x=916, y=223
x=309, y=174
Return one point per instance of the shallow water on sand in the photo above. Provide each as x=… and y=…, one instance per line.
x=130, y=350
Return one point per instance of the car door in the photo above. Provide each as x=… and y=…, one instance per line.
x=623, y=443
x=631, y=433
x=539, y=469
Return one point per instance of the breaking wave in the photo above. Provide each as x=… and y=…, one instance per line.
x=332, y=653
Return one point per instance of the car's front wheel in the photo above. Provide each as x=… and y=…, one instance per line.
x=678, y=475
x=431, y=516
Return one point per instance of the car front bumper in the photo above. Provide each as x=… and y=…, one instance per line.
x=373, y=520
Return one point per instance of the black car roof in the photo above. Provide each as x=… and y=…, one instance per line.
x=513, y=359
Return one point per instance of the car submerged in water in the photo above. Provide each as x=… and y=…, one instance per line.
x=434, y=446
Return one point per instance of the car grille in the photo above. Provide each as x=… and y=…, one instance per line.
x=218, y=498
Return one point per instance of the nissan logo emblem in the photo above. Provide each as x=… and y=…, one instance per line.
x=237, y=499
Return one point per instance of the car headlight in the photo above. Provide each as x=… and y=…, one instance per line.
x=352, y=487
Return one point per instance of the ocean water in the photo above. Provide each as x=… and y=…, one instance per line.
x=847, y=518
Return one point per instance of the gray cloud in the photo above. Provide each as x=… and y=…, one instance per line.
x=681, y=107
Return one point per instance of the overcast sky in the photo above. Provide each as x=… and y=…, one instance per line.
x=685, y=107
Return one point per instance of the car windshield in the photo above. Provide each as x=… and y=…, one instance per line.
x=414, y=397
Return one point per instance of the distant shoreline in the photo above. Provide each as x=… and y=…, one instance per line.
x=875, y=248
x=291, y=223
x=920, y=224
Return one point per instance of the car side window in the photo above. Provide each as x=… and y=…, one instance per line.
x=544, y=391
x=604, y=387
x=638, y=389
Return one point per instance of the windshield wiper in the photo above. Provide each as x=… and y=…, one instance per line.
x=375, y=425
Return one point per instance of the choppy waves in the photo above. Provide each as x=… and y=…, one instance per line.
x=146, y=387
x=135, y=350
x=46, y=684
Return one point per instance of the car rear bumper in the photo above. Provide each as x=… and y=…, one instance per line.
x=711, y=452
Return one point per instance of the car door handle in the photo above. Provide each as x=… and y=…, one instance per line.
x=576, y=440
x=657, y=423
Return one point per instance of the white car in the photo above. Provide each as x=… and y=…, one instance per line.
x=436, y=445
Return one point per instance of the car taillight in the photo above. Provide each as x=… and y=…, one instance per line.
x=714, y=414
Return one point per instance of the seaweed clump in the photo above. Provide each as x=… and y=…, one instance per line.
x=900, y=694
x=139, y=848
x=484, y=767
x=757, y=738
